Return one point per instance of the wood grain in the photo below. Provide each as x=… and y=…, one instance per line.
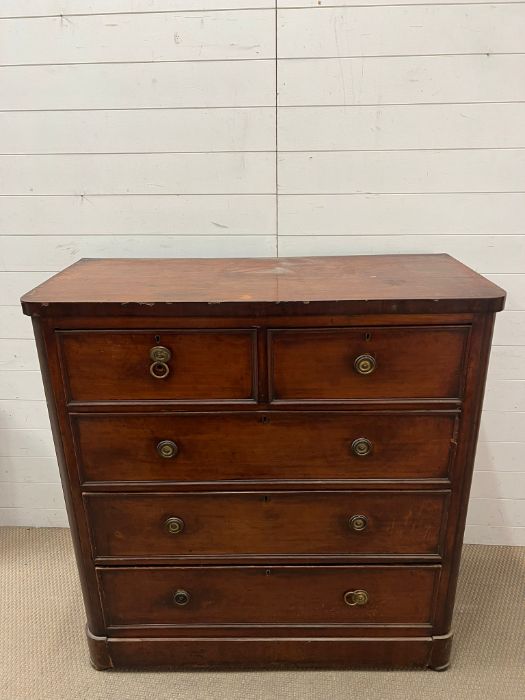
x=256, y=480
x=204, y=365
x=318, y=364
x=286, y=525
x=276, y=595
x=264, y=446
x=430, y=281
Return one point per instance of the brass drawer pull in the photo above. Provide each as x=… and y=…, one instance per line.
x=361, y=447
x=358, y=522
x=167, y=449
x=358, y=597
x=181, y=597
x=159, y=370
x=160, y=356
x=174, y=526
x=365, y=364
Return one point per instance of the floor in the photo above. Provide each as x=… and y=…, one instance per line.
x=43, y=653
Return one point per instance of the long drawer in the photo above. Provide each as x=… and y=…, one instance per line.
x=274, y=523
x=194, y=447
x=296, y=595
x=345, y=364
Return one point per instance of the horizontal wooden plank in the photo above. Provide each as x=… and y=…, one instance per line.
x=489, y=534
x=501, y=426
x=500, y=456
x=18, y=414
x=491, y=484
x=496, y=511
x=192, y=36
x=496, y=426
x=13, y=324
x=401, y=171
x=146, y=85
x=515, y=287
x=40, y=8
x=14, y=284
x=21, y=384
x=30, y=8
x=507, y=362
x=408, y=80
x=138, y=131
x=18, y=354
x=383, y=214
x=33, y=517
x=427, y=126
x=182, y=173
x=400, y=30
x=29, y=470
x=510, y=328
x=132, y=216
x=26, y=443
x=56, y=252
x=26, y=495
x=486, y=254
x=505, y=395
x=351, y=3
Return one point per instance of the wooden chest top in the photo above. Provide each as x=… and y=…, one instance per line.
x=353, y=284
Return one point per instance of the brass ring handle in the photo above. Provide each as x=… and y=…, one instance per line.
x=160, y=356
x=358, y=597
x=167, y=449
x=361, y=447
x=181, y=597
x=174, y=525
x=159, y=370
x=358, y=522
x=365, y=364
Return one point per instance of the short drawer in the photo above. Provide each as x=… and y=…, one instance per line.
x=186, y=365
x=345, y=364
x=339, y=524
x=254, y=445
x=295, y=595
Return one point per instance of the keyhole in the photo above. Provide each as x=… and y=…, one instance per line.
x=157, y=338
x=267, y=572
x=265, y=419
x=368, y=336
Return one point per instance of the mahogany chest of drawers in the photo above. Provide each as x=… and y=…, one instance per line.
x=267, y=462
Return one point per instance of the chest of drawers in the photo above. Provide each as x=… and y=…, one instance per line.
x=266, y=463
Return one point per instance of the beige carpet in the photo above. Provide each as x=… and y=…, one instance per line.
x=43, y=653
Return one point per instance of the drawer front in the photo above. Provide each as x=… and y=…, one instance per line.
x=298, y=595
x=198, y=365
x=397, y=363
x=247, y=524
x=271, y=445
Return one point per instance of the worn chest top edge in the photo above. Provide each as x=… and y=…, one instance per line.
x=378, y=284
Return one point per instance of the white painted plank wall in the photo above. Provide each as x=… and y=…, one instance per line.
x=148, y=128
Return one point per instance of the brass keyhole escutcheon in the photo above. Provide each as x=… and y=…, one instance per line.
x=361, y=447
x=174, y=525
x=181, y=597
x=358, y=522
x=160, y=356
x=365, y=364
x=167, y=449
x=358, y=597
